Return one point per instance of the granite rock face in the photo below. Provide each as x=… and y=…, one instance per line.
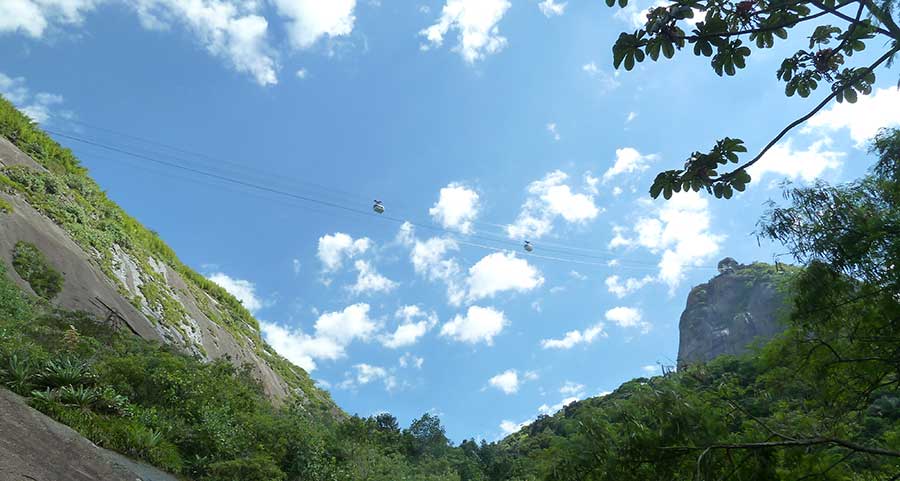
x=741, y=305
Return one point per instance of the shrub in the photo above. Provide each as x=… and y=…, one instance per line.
x=255, y=468
x=31, y=265
x=58, y=373
x=5, y=207
x=18, y=374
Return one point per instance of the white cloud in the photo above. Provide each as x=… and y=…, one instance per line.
x=508, y=427
x=573, y=338
x=551, y=198
x=507, y=381
x=627, y=317
x=311, y=20
x=367, y=373
x=334, y=331
x=577, y=275
x=635, y=16
x=678, y=231
x=408, y=359
x=650, y=368
x=551, y=127
x=480, y=324
x=572, y=389
x=368, y=280
x=242, y=289
x=552, y=9
x=431, y=260
x=783, y=160
x=550, y=410
x=409, y=331
x=34, y=17
x=37, y=106
x=606, y=81
x=295, y=265
x=456, y=208
x=617, y=191
x=302, y=73
x=501, y=271
x=333, y=249
x=476, y=23
x=591, y=183
x=621, y=289
x=229, y=29
x=864, y=118
x=631, y=116
x=628, y=160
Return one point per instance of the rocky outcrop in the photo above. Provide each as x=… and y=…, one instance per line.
x=34, y=447
x=741, y=305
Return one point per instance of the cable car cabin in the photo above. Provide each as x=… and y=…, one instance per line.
x=378, y=207
x=528, y=247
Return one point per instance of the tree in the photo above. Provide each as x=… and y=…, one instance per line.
x=427, y=436
x=721, y=35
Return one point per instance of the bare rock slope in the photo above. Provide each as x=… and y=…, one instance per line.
x=743, y=304
x=147, y=287
x=34, y=447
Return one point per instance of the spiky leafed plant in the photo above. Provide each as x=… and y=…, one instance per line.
x=83, y=397
x=65, y=372
x=18, y=374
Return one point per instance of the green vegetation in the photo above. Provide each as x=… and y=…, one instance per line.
x=821, y=401
x=5, y=207
x=31, y=266
x=761, y=23
x=68, y=196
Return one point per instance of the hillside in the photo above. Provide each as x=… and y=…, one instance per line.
x=109, y=260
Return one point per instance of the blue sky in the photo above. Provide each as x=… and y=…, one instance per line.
x=481, y=124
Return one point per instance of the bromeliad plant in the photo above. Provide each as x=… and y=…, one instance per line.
x=728, y=33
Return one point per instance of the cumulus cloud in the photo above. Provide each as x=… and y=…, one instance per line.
x=410, y=360
x=38, y=106
x=576, y=337
x=864, y=118
x=551, y=198
x=628, y=160
x=456, y=208
x=552, y=9
x=414, y=323
x=366, y=373
x=334, y=248
x=243, y=290
x=784, y=161
x=228, y=29
x=432, y=259
x=679, y=231
x=479, y=325
x=622, y=288
x=475, y=22
x=571, y=389
x=369, y=281
x=334, y=331
x=650, y=368
x=508, y=427
x=628, y=317
x=501, y=271
x=507, y=381
x=34, y=17
x=311, y=20
x=631, y=116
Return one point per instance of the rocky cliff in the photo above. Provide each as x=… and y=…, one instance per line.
x=743, y=304
x=116, y=269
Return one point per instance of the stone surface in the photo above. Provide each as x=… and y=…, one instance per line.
x=743, y=304
x=34, y=447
